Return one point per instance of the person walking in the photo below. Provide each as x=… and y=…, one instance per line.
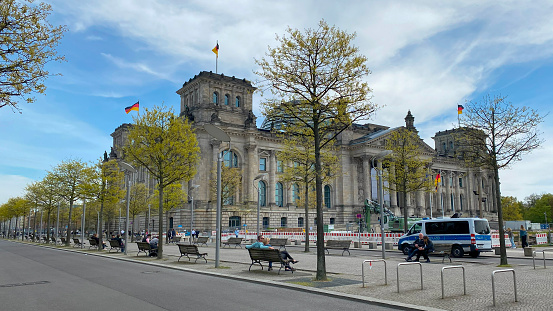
x=511, y=237
x=523, y=236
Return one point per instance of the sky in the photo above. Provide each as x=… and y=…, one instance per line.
x=425, y=56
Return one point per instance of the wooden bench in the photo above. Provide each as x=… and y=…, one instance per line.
x=53, y=240
x=278, y=242
x=187, y=249
x=77, y=243
x=338, y=244
x=62, y=239
x=144, y=247
x=270, y=255
x=114, y=244
x=443, y=250
x=201, y=240
x=234, y=241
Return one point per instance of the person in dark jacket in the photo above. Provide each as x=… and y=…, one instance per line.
x=418, y=242
x=424, y=249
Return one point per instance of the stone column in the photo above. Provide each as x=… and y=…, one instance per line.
x=272, y=178
x=367, y=188
x=354, y=184
x=457, y=191
x=249, y=172
x=393, y=193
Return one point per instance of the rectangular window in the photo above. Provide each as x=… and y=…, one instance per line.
x=332, y=221
x=283, y=222
x=461, y=182
x=265, y=222
x=300, y=222
x=280, y=167
x=263, y=164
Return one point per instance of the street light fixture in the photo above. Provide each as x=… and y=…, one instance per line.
x=218, y=134
x=381, y=197
x=194, y=187
x=128, y=171
x=259, y=177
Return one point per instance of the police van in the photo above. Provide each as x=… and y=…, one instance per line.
x=467, y=235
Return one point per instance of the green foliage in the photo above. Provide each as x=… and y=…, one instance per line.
x=231, y=183
x=166, y=146
x=173, y=197
x=543, y=205
x=138, y=199
x=512, y=209
x=27, y=43
x=318, y=78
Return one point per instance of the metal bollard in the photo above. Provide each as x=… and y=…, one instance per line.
x=408, y=263
x=363, y=270
x=514, y=281
x=543, y=252
x=464, y=281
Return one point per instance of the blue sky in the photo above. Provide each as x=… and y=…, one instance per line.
x=425, y=56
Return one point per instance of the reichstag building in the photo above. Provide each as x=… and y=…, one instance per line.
x=226, y=102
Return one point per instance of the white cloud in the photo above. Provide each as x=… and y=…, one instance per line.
x=12, y=186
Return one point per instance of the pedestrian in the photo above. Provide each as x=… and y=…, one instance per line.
x=173, y=234
x=236, y=232
x=511, y=237
x=424, y=249
x=523, y=236
x=418, y=242
x=192, y=234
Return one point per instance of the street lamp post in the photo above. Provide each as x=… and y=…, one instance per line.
x=218, y=134
x=194, y=187
x=128, y=171
x=381, y=198
x=83, y=223
x=259, y=177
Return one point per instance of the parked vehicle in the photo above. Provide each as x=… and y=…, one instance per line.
x=467, y=235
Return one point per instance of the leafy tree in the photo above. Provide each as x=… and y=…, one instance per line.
x=138, y=200
x=73, y=178
x=44, y=193
x=105, y=188
x=407, y=166
x=166, y=146
x=512, y=209
x=17, y=207
x=173, y=198
x=27, y=43
x=317, y=77
x=496, y=134
x=298, y=160
x=231, y=183
x=543, y=206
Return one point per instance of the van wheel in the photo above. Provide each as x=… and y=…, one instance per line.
x=457, y=251
x=474, y=254
x=405, y=249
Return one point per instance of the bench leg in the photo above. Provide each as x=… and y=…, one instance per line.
x=254, y=262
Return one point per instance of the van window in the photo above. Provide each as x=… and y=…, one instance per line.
x=481, y=227
x=447, y=227
x=415, y=229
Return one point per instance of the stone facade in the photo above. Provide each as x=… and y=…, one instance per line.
x=226, y=102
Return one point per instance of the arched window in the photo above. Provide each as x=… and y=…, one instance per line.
x=262, y=193
x=327, y=196
x=237, y=102
x=234, y=221
x=295, y=193
x=445, y=147
x=215, y=97
x=278, y=194
x=227, y=98
x=451, y=145
x=300, y=222
x=230, y=159
x=284, y=222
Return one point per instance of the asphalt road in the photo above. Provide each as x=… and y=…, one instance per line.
x=37, y=278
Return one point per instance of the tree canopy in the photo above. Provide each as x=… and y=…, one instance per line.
x=166, y=146
x=27, y=43
x=317, y=78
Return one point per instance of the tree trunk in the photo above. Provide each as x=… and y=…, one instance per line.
x=503, y=250
x=306, y=221
x=321, y=263
x=100, y=232
x=160, y=221
x=68, y=235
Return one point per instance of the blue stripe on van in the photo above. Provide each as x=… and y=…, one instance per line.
x=448, y=237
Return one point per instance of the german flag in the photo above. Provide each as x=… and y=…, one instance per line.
x=134, y=107
x=460, y=109
x=216, y=49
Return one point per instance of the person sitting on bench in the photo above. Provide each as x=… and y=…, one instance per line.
x=415, y=247
x=284, y=254
x=154, y=245
x=425, y=248
x=97, y=239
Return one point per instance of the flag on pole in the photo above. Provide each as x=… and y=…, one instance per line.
x=134, y=107
x=216, y=49
x=437, y=181
x=460, y=109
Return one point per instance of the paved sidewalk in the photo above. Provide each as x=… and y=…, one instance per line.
x=535, y=287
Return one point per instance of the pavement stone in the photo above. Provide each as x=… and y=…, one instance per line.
x=534, y=286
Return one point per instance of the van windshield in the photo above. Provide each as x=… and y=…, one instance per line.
x=415, y=229
x=481, y=227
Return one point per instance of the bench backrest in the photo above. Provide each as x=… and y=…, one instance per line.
x=143, y=246
x=338, y=243
x=446, y=248
x=234, y=240
x=114, y=243
x=188, y=249
x=278, y=242
x=92, y=242
x=76, y=241
x=201, y=239
x=265, y=254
